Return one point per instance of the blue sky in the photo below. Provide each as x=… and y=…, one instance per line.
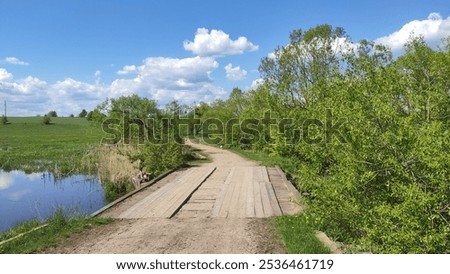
x=73, y=54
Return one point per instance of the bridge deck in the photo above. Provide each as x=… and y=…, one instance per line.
x=226, y=192
x=166, y=201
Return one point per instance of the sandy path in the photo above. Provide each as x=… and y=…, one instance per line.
x=191, y=230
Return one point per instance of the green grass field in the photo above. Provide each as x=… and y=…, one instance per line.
x=27, y=144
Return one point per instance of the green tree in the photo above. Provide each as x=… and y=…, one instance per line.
x=83, y=114
x=52, y=113
x=300, y=71
x=132, y=115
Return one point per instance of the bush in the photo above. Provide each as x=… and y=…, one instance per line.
x=158, y=158
x=46, y=120
x=116, y=189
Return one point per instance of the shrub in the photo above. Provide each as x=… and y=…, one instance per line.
x=46, y=120
x=158, y=158
x=116, y=189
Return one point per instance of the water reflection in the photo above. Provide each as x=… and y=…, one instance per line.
x=37, y=195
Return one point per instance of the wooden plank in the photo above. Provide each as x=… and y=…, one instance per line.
x=265, y=175
x=198, y=206
x=221, y=197
x=259, y=210
x=172, y=199
x=155, y=206
x=177, y=198
x=287, y=194
x=244, y=181
x=168, y=200
x=250, y=201
x=273, y=199
x=139, y=209
x=267, y=207
x=231, y=201
x=257, y=174
x=290, y=187
x=182, y=201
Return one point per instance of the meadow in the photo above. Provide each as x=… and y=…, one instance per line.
x=62, y=146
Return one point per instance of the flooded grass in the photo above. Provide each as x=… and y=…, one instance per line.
x=67, y=148
x=62, y=148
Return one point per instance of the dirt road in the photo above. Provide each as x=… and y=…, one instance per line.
x=218, y=207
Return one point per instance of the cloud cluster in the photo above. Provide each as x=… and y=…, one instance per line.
x=235, y=73
x=217, y=43
x=165, y=79
x=160, y=78
x=15, y=61
x=127, y=70
x=185, y=79
x=4, y=74
x=433, y=29
x=32, y=96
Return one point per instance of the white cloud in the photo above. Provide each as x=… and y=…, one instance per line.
x=433, y=29
x=217, y=43
x=343, y=45
x=165, y=79
x=235, y=73
x=71, y=96
x=196, y=69
x=127, y=70
x=257, y=83
x=19, y=194
x=4, y=74
x=21, y=86
x=29, y=85
x=6, y=181
x=69, y=85
x=160, y=78
x=97, y=76
x=272, y=55
x=30, y=96
x=15, y=61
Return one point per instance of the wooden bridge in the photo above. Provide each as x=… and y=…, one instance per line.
x=211, y=192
